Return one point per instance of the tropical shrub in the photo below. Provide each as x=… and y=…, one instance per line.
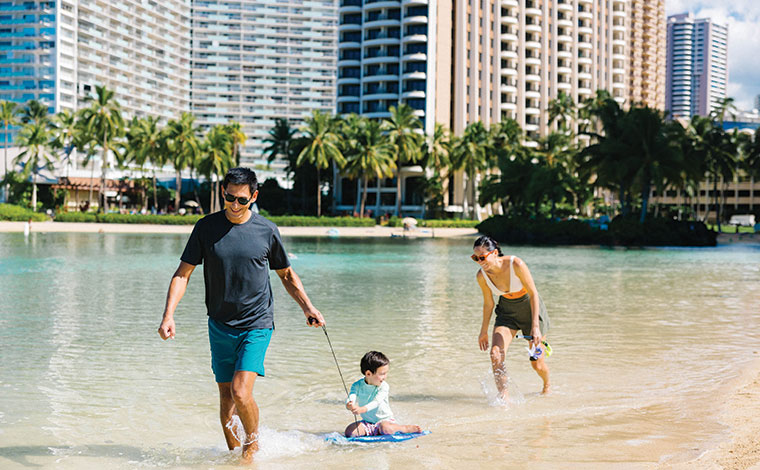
x=20, y=214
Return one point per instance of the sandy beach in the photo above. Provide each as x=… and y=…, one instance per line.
x=376, y=231
x=740, y=448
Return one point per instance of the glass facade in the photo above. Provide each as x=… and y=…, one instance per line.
x=28, y=52
x=255, y=61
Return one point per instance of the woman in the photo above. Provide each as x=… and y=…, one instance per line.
x=519, y=308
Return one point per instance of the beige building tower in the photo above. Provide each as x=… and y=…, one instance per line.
x=511, y=57
x=647, y=53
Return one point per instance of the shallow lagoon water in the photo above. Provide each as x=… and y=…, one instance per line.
x=647, y=345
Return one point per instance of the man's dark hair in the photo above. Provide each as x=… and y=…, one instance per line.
x=372, y=361
x=241, y=175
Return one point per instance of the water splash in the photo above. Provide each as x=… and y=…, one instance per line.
x=487, y=385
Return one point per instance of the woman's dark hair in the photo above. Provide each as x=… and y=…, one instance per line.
x=488, y=243
x=372, y=361
x=241, y=175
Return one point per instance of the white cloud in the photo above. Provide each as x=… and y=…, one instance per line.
x=743, y=20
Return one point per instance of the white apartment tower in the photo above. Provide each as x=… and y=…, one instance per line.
x=255, y=60
x=58, y=51
x=697, y=65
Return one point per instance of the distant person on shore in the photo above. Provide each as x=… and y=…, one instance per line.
x=369, y=397
x=238, y=249
x=519, y=308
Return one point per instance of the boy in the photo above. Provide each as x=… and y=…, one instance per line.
x=369, y=398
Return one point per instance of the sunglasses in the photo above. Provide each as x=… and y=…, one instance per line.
x=241, y=200
x=477, y=258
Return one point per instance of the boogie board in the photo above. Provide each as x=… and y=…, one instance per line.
x=398, y=437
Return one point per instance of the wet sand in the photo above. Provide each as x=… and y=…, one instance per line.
x=739, y=447
x=376, y=231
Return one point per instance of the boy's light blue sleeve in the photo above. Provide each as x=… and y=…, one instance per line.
x=383, y=394
x=353, y=393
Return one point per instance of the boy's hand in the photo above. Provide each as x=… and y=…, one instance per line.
x=357, y=410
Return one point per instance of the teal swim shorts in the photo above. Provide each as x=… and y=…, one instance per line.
x=233, y=350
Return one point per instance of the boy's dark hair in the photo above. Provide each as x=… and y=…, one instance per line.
x=241, y=175
x=372, y=361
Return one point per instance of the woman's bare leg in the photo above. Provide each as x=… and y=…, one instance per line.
x=502, y=337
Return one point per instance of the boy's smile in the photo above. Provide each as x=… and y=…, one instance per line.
x=378, y=377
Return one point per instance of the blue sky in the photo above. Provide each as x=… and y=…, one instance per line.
x=743, y=20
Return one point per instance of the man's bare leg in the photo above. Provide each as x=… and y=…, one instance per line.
x=543, y=371
x=226, y=412
x=392, y=428
x=502, y=337
x=247, y=410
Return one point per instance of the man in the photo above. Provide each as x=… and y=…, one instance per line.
x=238, y=247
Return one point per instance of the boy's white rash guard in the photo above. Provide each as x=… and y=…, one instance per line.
x=374, y=398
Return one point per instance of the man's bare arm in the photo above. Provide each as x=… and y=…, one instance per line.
x=177, y=289
x=293, y=285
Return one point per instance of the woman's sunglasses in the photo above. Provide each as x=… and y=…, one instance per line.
x=241, y=200
x=477, y=258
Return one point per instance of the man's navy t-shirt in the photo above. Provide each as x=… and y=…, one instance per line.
x=237, y=260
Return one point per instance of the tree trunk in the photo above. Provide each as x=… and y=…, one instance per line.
x=398, y=191
x=5, y=163
x=155, y=192
x=92, y=182
x=364, y=196
x=319, y=196
x=717, y=206
x=103, y=175
x=34, y=192
x=178, y=194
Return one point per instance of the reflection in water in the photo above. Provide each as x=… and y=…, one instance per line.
x=639, y=368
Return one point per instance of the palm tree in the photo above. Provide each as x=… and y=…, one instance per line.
x=280, y=140
x=235, y=131
x=562, y=109
x=64, y=133
x=184, y=146
x=470, y=154
x=146, y=144
x=718, y=152
x=35, y=111
x=556, y=152
x=726, y=107
x=403, y=130
x=217, y=148
x=36, y=138
x=658, y=158
x=103, y=120
x=320, y=147
x=8, y=116
x=437, y=156
x=368, y=153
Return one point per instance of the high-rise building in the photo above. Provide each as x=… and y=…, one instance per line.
x=488, y=60
x=697, y=69
x=57, y=52
x=392, y=52
x=647, y=52
x=255, y=60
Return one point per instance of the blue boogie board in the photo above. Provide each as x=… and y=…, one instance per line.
x=338, y=438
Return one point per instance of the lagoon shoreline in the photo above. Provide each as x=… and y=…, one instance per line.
x=375, y=232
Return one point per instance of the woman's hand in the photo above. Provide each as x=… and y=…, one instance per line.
x=535, y=332
x=483, y=340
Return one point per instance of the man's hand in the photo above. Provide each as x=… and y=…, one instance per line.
x=166, y=330
x=483, y=340
x=314, y=318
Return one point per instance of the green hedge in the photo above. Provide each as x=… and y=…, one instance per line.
x=436, y=223
x=284, y=221
x=308, y=221
x=20, y=214
x=623, y=231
